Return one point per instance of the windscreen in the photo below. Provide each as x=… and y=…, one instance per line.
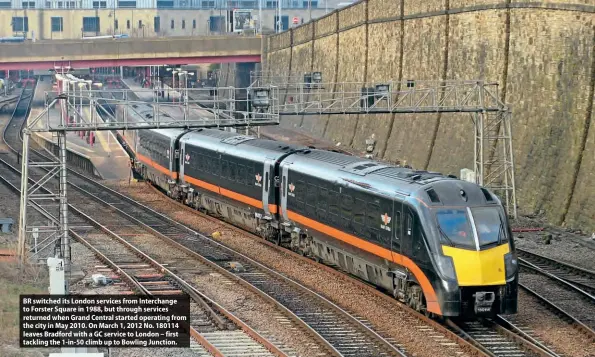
x=488, y=224
x=455, y=228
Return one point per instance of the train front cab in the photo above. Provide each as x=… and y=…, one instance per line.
x=477, y=268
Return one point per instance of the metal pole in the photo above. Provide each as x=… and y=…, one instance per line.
x=21, y=251
x=260, y=16
x=64, y=204
x=279, y=22
x=310, y=9
x=186, y=111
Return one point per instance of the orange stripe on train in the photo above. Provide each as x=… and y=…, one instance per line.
x=429, y=292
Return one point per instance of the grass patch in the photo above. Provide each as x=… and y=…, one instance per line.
x=14, y=282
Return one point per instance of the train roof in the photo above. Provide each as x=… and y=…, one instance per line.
x=431, y=188
x=236, y=144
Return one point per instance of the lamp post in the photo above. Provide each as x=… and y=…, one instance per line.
x=81, y=85
x=185, y=95
x=173, y=83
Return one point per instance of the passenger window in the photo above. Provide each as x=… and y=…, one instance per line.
x=321, y=209
x=409, y=225
x=242, y=174
x=346, y=210
x=359, y=214
x=373, y=214
x=333, y=207
x=266, y=182
x=311, y=195
x=224, y=169
x=397, y=225
x=233, y=171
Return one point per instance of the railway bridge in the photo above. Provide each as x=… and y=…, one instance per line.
x=43, y=55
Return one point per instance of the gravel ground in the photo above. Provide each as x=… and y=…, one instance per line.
x=247, y=306
x=386, y=318
x=567, y=300
x=565, y=246
x=544, y=325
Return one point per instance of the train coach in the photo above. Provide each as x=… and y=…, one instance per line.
x=441, y=245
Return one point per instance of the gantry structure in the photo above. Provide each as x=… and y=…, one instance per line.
x=306, y=93
x=226, y=110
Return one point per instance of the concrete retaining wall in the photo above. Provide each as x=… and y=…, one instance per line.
x=541, y=53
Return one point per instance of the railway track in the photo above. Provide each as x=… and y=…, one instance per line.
x=561, y=296
x=567, y=290
x=341, y=333
x=214, y=330
x=501, y=342
x=579, y=277
x=499, y=338
x=497, y=341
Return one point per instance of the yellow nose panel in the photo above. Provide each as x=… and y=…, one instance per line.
x=475, y=268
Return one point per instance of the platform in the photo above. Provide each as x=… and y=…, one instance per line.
x=107, y=155
x=195, y=112
x=6, y=100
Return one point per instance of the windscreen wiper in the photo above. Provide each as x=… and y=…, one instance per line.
x=446, y=236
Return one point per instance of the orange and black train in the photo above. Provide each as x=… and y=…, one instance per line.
x=441, y=245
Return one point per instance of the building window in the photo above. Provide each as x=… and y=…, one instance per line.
x=48, y=5
x=157, y=23
x=193, y=24
x=207, y=4
x=70, y=5
x=172, y=24
x=20, y=24
x=128, y=24
x=91, y=24
x=165, y=4
x=59, y=4
x=99, y=4
x=271, y=4
x=57, y=24
x=28, y=5
x=4, y=4
x=116, y=25
x=127, y=4
x=183, y=24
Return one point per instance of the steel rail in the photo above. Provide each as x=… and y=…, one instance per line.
x=200, y=298
x=580, y=277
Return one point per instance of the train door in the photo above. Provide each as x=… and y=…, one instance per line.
x=173, y=165
x=397, y=227
x=181, y=160
x=408, y=231
x=284, y=187
x=266, y=186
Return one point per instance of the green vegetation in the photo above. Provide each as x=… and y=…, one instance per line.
x=14, y=282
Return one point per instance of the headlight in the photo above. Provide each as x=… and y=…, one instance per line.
x=446, y=267
x=511, y=264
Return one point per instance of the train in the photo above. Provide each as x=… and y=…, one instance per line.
x=439, y=244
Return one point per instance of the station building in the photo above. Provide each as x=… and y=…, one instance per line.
x=74, y=19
